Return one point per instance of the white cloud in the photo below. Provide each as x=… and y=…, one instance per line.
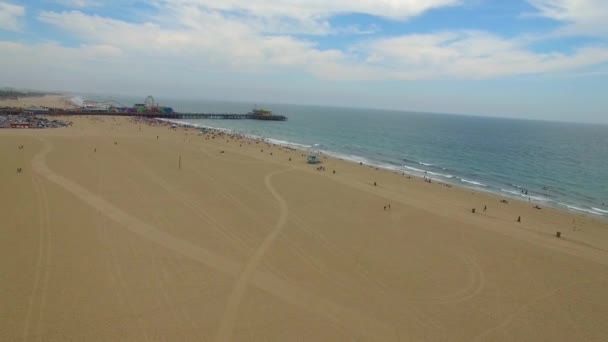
x=306, y=9
x=580, y=16
x=210, y=39
x=304, y=16
x=79, y=3
x=10, y=16
x=470, y=55
x=206, y=40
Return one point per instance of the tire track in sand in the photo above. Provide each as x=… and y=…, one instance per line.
x=289, y=293
x=44, y=253
x=115, y=272
x=240, y=240
x=476, y=284
x=47, y=270
x=189, y=202
x=548, y=294
x=38, y=270
x=476, y=278
x=240, y=286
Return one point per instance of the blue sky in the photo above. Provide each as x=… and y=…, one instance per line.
x=538, y=59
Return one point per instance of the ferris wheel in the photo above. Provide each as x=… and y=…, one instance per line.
x=150, y=103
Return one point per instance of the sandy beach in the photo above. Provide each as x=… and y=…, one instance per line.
x=124, y=231
x=49, y=101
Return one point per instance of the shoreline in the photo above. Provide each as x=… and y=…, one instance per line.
x=591, y=212
x=65, y=101
x=438, y=191
x=191, y=234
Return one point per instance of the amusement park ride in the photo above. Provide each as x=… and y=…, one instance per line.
x=101, y=106
x=149, y=106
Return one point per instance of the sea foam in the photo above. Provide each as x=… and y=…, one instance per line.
x=589, y=211
x=472, y=182
x=602, y=211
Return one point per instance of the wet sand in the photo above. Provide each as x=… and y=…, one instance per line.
x=105, y=236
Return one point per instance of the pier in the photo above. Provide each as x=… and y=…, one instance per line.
x=149, y=109
x=174, y=115
x=224, y=116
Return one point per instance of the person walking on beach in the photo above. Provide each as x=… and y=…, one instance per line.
x=485, y=207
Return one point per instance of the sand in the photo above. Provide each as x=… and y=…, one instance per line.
x=104, y=237
x=49, y=101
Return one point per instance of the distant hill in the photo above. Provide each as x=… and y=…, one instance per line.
x=9, y=93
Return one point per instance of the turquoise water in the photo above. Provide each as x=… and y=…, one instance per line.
x=559, y=164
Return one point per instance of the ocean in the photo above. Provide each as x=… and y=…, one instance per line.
x=557, y=164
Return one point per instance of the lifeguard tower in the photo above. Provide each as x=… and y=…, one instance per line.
x=313, y=159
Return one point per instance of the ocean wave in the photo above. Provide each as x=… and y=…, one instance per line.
x=440, y=174
x=589, y=211
x=360, y=159
x=348, y=157
x=287, y=143
x=189, y=124
x=472, y=182
x=600, y=210
x=427, y=172
x=414, y=169
x=531, y=197
x=416, y=162
x=512, y=192
x=516, y=186
x=538, y=198
x=356, y=159
x=389, y=167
